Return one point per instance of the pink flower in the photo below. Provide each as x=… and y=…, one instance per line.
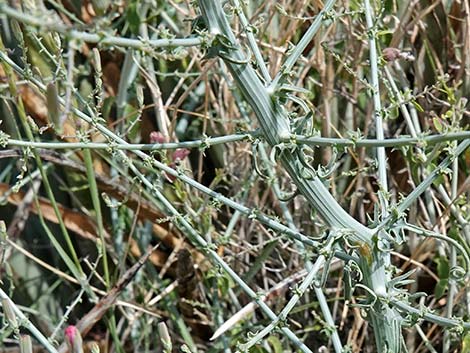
x=157, y=137
x=73, y=339
x=391, y=54
x=180, y=154
x=70, y=332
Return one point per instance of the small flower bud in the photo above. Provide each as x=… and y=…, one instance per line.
x=164, y=337
x=139, y=92
x=9, y=313
x=97, y=60
x=100, y=6
x=53, y=110
x=180, y=154
x=73, y=339
x=391, y=54
x=157, y=137
x=26, y=345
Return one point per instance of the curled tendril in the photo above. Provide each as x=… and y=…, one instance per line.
x=350, y=245
x=256, y=166
x=224, y=41
x=283, y=196
x=372, y=294
x=383, y=242
x=303, y=125
x=226, y=55
x=279, y=148
x=402, y=280
x=355, y=267
x=457, y=273
x=287, y=196
x=300, y=102
x=416, y=296
x=304, y=160
x=325, y=171
x=305, y=173
x=450, y=241
x=274, y=152
x=305, y=154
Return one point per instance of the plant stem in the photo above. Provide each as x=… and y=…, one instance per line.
x=163, y=167
x=275, y=125
x=373, y=58
x=74, y=266
x=252, y=41
x=385, y=321
x=441, y=321
x=217, y=140
x=28, y=325
x=102, y=38
x=197, y=239
x=290, y=221
x=302, y=44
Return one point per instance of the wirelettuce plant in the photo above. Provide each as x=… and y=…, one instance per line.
x=355, y=69
x=273, y=118
x=264, y=99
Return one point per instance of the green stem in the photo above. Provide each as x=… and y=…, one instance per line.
x=196, y=238
x=28, y=325
x=386, y=322
x=275, y=125
x=218, y=140
x=45, y=179
x=163, y=167
x=373, y=58
x=98, y=215
x=436, y=319
x=302, y=44
x=102, y=38
x=252, y=41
